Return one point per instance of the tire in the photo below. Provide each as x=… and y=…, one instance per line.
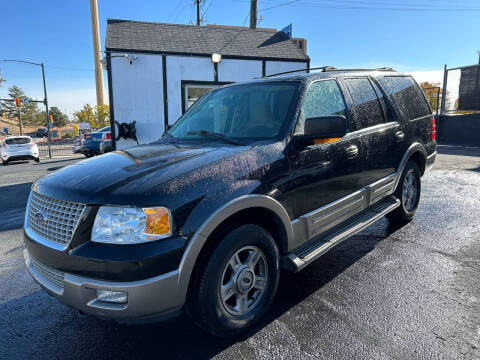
x=227, y=264
x=88, y=155
x=37, y=160
x=408, y=204
x=4, y=163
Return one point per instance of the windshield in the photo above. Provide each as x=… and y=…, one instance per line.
x=18, y=141
x=257, y=111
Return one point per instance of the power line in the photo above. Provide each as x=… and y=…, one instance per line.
x=369, y=5
x=208, y=7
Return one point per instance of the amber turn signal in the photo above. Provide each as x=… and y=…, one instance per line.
x=325, y=141
x=158, y=221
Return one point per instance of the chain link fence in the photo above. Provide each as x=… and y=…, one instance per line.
x=61, y=139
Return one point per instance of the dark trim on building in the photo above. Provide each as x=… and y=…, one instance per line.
x=239, y=57
x=183, y=83
x=215, y=72
x=110, y=100
x=165, y=95
x=264, y=68
x=308, y=65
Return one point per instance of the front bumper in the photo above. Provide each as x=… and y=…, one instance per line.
x=155, y=298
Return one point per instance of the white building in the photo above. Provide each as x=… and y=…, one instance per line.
x=156, y=71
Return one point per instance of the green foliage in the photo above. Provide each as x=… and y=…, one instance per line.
x=59, y=118
x=97, y=116
x=29, y=112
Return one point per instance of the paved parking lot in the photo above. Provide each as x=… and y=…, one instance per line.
x=399, y=293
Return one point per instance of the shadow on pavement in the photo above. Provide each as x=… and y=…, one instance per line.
x=462, y=150
x=37, y=325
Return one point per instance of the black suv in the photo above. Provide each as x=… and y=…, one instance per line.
x=254, y=177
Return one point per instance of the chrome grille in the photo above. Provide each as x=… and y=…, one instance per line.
x=52, y=219
x=50, y=274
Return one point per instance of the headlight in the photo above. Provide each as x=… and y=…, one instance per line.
x=128, y=225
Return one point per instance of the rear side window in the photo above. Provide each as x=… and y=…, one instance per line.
x=17, y=141
x=406, y=95
x=367, y=106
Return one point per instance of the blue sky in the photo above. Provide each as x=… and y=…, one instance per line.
x=409, y=35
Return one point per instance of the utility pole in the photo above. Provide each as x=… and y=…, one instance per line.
x=45, y=100
x=478, y=52
x=20, y=120
x=97, y=54
x=198, y=11
x=49, y=136
x=253, y=14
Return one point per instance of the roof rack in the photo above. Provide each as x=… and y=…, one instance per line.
x=327, y=69
x=373, y=69
x=306, y=69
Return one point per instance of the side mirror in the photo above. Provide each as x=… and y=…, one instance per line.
x=323, y=127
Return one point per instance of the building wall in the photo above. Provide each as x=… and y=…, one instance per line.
x=239, y=70
x=137, y=88
x=138, y=95
x=273, y=67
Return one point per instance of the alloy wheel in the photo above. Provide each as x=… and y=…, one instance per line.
x=244, y=281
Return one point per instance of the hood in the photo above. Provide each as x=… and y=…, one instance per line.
x=148, y=174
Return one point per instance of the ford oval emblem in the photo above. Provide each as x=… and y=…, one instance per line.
x=40, y=217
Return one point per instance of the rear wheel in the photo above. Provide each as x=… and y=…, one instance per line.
x=408, y=191
x=4, y=163
x=238, y=283
x=37, y=159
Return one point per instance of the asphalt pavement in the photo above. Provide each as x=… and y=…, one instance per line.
x=386, y=293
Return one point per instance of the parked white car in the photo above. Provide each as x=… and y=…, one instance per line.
x=19, y=148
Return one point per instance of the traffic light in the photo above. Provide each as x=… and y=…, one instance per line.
x=18, y=102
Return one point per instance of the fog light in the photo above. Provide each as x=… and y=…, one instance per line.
x=117, y=297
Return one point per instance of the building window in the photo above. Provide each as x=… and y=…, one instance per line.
x=193, y=92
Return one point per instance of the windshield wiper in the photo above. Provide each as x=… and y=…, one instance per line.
x=214, y=134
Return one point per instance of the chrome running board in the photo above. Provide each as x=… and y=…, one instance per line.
x=313, y=249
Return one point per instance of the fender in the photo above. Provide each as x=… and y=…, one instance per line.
x=414, y=148
x=195, y=245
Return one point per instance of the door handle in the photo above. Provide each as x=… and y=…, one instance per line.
x=400, y=136
x=352, y=152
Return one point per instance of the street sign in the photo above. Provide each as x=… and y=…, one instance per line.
x=84, y=126
x=25, y=101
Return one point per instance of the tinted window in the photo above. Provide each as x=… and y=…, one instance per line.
x=323, y=98
x=367, y=107
x=17, y=141
x=406, y=95
x=244, y=111
x=386, y=109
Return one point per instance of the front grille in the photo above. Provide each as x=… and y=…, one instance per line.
x=50, y=274
x=52, y=219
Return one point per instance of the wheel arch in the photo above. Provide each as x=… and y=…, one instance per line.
x=261, y=210
x=417, y=153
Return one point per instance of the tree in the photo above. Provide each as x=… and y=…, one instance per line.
x=431, y=90
x=102, y=116
x=97, y=117
x=59, y=118
x=29, y=112
x=85, y=115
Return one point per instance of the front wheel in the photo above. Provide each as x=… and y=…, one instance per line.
x=238, y=283
x=4, y=163
x=37, y=159
x=408, y=191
